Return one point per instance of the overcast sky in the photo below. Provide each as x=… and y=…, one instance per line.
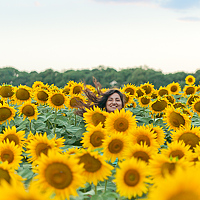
x=83, y=34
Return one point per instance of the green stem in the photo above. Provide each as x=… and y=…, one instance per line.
x=54, y=129
x=95, y=189
x=30, y=125
x=75, y=119
x=105, y=185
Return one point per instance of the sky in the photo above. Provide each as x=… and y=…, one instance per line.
x=83, y=34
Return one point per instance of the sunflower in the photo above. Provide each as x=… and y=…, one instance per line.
x=139, y=92
x=148, y=88
x=196, y=106
x=70, y=83
x=76, y=88
x=18, y=137
x=17, y=191
x=159, y=105
x=94, y=116
x=128, y=99
x=131, y=178
x=94, y=136
x=39, y=145
x=72, y=151
x=8, y=174
x=170, y=98
x=66, y=90
x=174, y=88
x=143, y=135
x=59, y=141
x=190, y=136
x=191, y=99
x=154, y=94
x=129, y=89
x=160, y=134
x=6, y=91
x=115, y=146
x=190, y=80
x=11, y=153
x=189, y=89
x=59, y=174
x=74, y=101
x=163, y=91
x=183, y=185
x=95, y=167
x=7, y=113
x=175, y=118
x=41, y=95
x=160, y=166
x=141, y=152
x=144, y=101
x=176, y=149
x=120, y=121
x=37, y=84
x=28, y=110
x=22, y=94
x=57, y=100
x=179, y=105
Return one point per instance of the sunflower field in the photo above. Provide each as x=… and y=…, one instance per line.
x=150, y=149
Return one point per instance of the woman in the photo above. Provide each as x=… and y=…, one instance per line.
x=109, y=101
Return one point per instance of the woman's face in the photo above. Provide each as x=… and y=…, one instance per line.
x=113, y=102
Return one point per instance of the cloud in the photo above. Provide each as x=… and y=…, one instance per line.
x=179, y=4
x=190, y=19
x=127, y=1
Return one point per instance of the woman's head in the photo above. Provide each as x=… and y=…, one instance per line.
x=111, y=100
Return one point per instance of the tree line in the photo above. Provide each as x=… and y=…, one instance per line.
x=107, y=76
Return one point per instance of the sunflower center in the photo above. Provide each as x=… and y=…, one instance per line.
x=8, y=155
x=58, y=175
x=197, y=106
x=190, y=90
x=22, y=94
x=170, y=99
x=42, y=148
x=174, y=88
x=147, y=89
x=192, y=98
x=141, y=155
x=163, y=92
x=12, y=137
x=139, y=93
x=176, y=119
x=4, y=175
x=177, y=153
x=115, y=146
x=91, y=164
x=6, y=91
x=167, y=168
x=130, y=91
x=96, y=138
x=189, y=139
x=58, y=99
x=131, y=177
x=66, y=90
x=77, y=89
x=142, y=139
x=28, y=110
x=97, y=118
x=42, y=96
x=121, y=124
x=74, y=101
x=159, y=105
x=145, y=100
x=186, y=195
x=190, y=80
x=5, y=113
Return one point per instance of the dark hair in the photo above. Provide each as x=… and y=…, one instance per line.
x=97, y=100
x=102, y=101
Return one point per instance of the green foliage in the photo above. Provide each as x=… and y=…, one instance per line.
x=105, y=75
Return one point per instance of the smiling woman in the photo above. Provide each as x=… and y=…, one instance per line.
x=109, y=101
